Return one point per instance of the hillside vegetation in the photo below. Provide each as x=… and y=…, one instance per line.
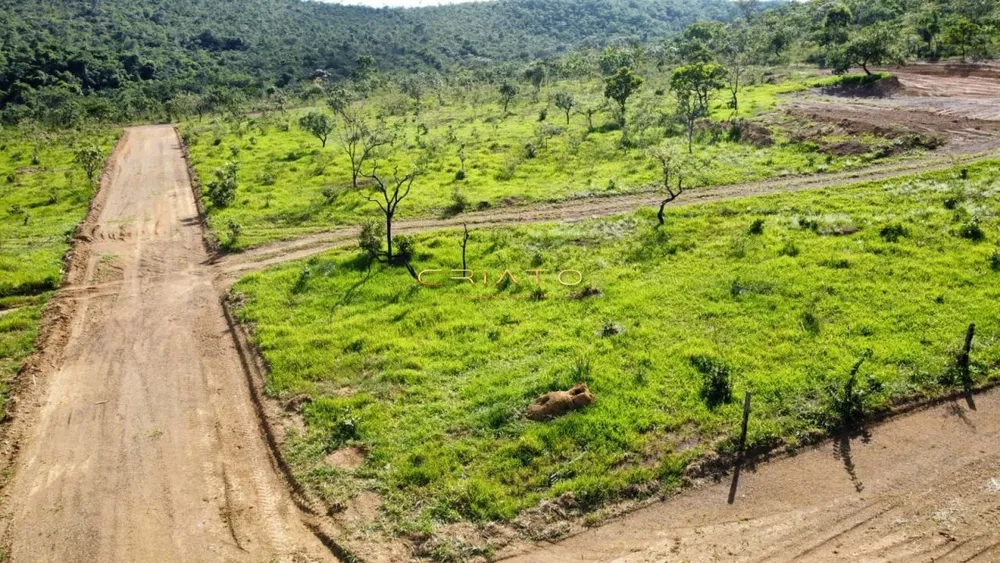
x=132, y=56
x=124, y=60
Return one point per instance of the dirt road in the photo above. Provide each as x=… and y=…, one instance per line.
x=145, y=446
x=231, y=267
x=923, y=487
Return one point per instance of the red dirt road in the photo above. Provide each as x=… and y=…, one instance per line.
x=145, y=445
x=924, y=487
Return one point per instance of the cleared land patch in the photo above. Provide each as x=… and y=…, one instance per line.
x=778, y=295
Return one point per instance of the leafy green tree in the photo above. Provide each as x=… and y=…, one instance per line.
x=620, y=88
x=693, y=86
x=698, y=43
x=566, y=102
x=507, y=94
x=535, y=74
x=836, y=24
x=617, y=57
x=337, y=99
x=928, y=27
x=873, y=45
x=414, y=88
x=748, y=8
x=318, y=124
x=222, y=190
x=363, y=73
x=90, y=159
x=965, y=36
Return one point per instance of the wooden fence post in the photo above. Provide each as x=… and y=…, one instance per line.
x=746, y=419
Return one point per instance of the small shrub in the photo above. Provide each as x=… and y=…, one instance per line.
x=222, y=190
x=609, y=329
x=757, y=227
x=403, y=249
x=508, y=171
x=370, y=238
x=810, y=322
x=530, y=150
x=892, y=233
x=836, y=264
x=329, y=194
x=235, y=230
x=344, y=430
x=972, y=231
x=459, y=203
x=460, y=175
x=789, y=250
x=995, y=261
x=716, y=388
x=302, y=281
x=808, y=224
x=848, y=401
x=267, y=178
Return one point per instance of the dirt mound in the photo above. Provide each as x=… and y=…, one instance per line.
x=893, y=121
x=955, y=69
x=847, y=148
x=875, y=88
x=557, y=403
x=740, y=130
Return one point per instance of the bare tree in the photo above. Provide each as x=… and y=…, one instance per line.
x=590, y=111
x=737, y=54
x=673, y=163
x=361, y=141
x=465, y=242
x=388, y=194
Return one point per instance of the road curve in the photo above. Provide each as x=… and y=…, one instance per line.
x=146, y=446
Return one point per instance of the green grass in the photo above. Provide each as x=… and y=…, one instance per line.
x=432, y=382
x=290, y=185
x=40, y=205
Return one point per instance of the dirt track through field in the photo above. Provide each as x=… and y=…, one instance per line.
x=231, y=266
x=923, y=487
x=145, y=446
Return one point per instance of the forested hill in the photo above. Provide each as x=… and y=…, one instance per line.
x=166, y=46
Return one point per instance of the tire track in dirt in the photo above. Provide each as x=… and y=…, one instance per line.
x=145, y=445
x=230, y=267
x=932, y=492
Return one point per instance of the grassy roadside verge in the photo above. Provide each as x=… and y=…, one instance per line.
x=43, y=197
x=778, y=295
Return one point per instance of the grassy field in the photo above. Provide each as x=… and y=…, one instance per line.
x=778, y=295
x=43, y=196
x=289, y=185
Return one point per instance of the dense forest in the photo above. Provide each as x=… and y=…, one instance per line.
x=132, y=52
x=63, y=62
